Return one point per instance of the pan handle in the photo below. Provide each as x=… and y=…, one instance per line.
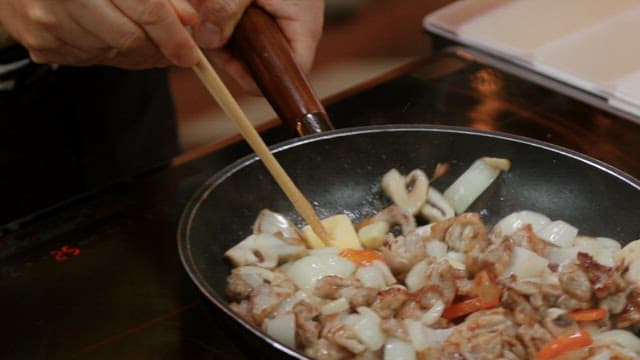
x=260, y=43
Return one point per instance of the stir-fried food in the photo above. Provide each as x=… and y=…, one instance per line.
x=392, y=288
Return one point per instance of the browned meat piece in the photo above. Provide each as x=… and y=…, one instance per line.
x=237, y=288
x=526, y=238
x=329, y=287
x=394, y=328
x=389, y=301
x=496, y=258
x=325, y=350
x=575, y=282
x=523, y=312
x=604, y=280
x=485, y=335
x=402, y=252
x=243, y=308
x=307, y=324
x=533, y=338
x=630, y=315
x=614, y=303
x=464, y=233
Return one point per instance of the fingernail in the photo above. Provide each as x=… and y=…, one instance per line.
x=207, y=35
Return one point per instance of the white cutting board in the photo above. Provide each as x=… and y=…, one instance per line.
x=590, y=44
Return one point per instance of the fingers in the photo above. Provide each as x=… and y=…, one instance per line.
x=218, y=18
x=223, y=59
x=159, y=21
x=301, y=22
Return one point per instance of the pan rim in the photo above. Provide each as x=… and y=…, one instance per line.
x=190, y=210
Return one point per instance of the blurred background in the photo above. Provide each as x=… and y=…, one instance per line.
x=362, y=39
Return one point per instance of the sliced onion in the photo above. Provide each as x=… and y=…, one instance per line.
x=423, y=337
x=475, y=180
x=307, y=271
x=371, y=276
x=517, y=220
x=560, y=255
x=526, y=264
x=457, y=260
x=396, y=349
x=386, y=272
x=335, y=306
x=621, y=337
x=433, y=314
x=558, y=233
x=417, y=277
x=282, y=328
x=366, y=326
x=436, y=249
x=254, y=275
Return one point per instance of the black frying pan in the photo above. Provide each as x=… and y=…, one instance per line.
x=340, y=171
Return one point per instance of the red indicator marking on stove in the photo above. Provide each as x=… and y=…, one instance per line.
x=64, y=253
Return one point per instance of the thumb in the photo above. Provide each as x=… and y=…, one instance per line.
x=218, y=19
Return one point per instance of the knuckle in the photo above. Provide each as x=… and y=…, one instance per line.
x=222, y=9
x=131, y=40
x=39, y=15
x=38, y=57
x=34, y=42
x=154, y=12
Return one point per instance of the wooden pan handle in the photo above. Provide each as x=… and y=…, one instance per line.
x=260, y=43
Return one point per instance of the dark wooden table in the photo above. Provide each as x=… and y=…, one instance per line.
x=100, y=277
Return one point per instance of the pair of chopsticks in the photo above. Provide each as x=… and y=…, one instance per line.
x=229, y=105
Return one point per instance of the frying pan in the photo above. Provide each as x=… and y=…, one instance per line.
x=340, y=172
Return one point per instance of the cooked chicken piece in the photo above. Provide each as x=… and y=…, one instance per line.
x=630, y=315
x=496, y=257
x=533, y=338
x=526, y=238
x=328, y=287
x=389, y=301
x=307, y=325
x=243, y=309
x=604, y=280
x=394, y=328
x=324, y=349
x=570, y=304
x=523, y=312
x=344, y=336
x=402, y=252
x=464, y=233
x=575, y=282
x=265, y=298
x=485, y=335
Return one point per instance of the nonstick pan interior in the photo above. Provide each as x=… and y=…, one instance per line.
x=340, y=171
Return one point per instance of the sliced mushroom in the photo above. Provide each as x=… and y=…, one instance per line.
x=264, y=250
x=437, y=208
x=408, y=192
x=396, y=215
x=276, y=224
x=558, y=322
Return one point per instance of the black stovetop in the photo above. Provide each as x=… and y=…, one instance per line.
x=100, y=277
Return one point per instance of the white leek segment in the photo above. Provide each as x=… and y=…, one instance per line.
x=396, y=349
x=558, y=233
x=473, y=182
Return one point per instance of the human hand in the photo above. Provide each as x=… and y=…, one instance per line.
x=124, y=33
x=300, y=20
